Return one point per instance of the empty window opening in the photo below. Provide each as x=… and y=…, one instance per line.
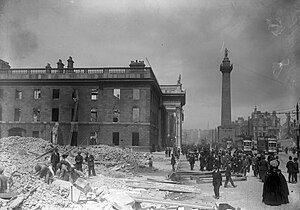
x=37, y=94
x=136, y=114
x=19, y=94
x=17, y=116
x=94, y=116
x=117, y=93
x=116, y=115
x=0, y=113
x=136, y=94
x=94, y=94
x=35, y=134
x=55, y=114
x=93, y=138
x=55, y=94
x=135, y=139
x=116, y=138
x=36, y=115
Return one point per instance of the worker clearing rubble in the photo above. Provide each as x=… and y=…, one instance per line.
x=3, y=182
x=44, y=171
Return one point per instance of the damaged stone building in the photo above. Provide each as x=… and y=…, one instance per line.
x=122, y=106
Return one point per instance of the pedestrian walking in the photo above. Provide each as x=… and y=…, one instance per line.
x=91, y=164
x=173, y=162
x=192, y=160
x=290, y=169
x=296, y=170
x=78, y=161
x=209, y=162
x=228, y=175
x=202, y=161
x=217, y=181
x=264, y=166
x=275, y=189
x=55, y=158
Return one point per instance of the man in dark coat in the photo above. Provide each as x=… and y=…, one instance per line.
x=275, y=189
x=228, y=175
x=264, y=166
x=78, y=161
x=173, y=162
x=290, y=169
x=192, y=160
x=217, y=181
x=209, y=162
x=202, y=161
x=55, y=158
x=91, y=164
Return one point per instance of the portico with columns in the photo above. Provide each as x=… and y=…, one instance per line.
x=173, y=102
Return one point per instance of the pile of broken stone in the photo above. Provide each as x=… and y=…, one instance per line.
x=19, y=156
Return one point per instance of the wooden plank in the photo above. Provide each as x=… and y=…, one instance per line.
x=173, y=203
x=196, y=172
x=161, y=188
x=163, y=181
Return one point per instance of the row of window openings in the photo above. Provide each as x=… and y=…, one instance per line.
x=94, y=115
x=55, y=94
x=93, y=138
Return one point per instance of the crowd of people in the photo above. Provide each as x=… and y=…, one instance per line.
x=264, y=167
x=64, y=169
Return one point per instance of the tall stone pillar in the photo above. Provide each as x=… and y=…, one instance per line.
x=226, y=68
x=178, y=127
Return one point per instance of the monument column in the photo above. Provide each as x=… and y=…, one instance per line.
x=226, y=68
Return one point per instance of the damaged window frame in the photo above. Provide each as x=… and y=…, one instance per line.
x=36, y=115
x=94, y=94
x=94, y=115
x=37, y=93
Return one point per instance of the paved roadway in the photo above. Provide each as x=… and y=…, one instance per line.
x=248, y=194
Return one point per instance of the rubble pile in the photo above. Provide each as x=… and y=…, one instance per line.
x=18, y=156
x=125, y=159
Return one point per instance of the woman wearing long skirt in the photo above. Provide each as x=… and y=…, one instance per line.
x=275, y=189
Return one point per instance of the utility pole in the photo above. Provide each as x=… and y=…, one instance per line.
x=297, y=113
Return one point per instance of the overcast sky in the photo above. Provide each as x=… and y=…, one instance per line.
x=178, y=37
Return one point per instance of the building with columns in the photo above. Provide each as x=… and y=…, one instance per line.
x=173, y=102
x=81, y=106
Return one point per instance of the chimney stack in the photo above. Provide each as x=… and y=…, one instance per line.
x=48, y=68
x=60, y=66
x=137, y=64
x=70, y=63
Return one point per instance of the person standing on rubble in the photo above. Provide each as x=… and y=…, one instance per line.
x=173, y=162
x=91, y=164
x=55, y=158
x=79, y=161
x=3, y=181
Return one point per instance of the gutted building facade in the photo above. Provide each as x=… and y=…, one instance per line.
x=80, y=106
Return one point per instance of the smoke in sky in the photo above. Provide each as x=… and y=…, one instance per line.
x=178, y=37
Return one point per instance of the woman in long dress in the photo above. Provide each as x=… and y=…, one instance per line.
x=275, y=189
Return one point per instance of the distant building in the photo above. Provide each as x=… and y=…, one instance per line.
x=82, y=106
x=264, y=124
x=191, y=136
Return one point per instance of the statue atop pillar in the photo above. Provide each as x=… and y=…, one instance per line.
x=226, y=53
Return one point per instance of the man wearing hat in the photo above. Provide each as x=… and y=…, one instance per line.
x=217, y=181
x=3, y=181
x=228, y=175
x=91, y=164
x=79, y=161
